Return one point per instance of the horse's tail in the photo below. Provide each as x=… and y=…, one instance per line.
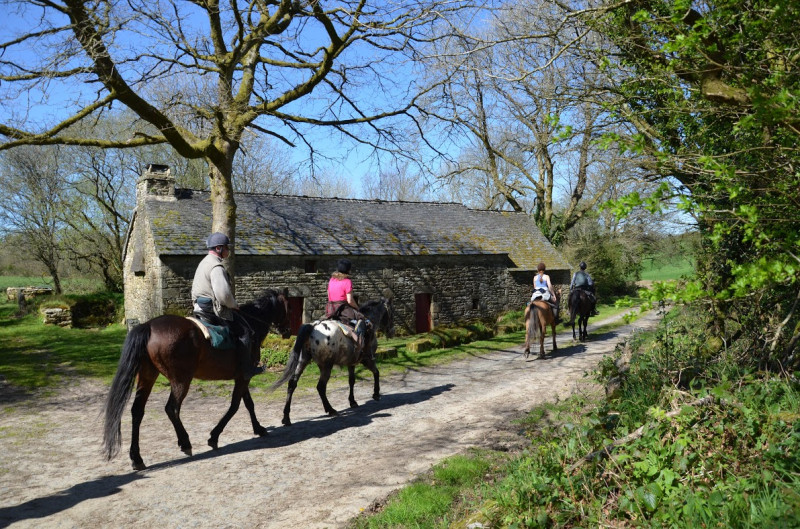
x=574, y=301
x=535, y=322
x=134, y=348
x=302, y=335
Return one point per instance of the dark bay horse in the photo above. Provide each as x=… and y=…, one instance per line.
x=580, y=305
x=176, y=348
x=325, y=343
x=538, y=315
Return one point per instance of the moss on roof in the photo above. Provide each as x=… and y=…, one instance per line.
x=295, y=225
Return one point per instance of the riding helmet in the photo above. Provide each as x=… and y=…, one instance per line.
x=217, y=239
x=582, y=265
x=343, y=266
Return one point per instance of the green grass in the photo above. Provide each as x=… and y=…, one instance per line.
x=70, y=285
x=431, y=501
x=664, y=269
x=35, y=356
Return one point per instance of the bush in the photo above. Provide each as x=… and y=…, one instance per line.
x=89, y=310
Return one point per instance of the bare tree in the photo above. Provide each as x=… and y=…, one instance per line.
x=534, y=112
x=396, y=183
x=229, y=68
x=32, y=205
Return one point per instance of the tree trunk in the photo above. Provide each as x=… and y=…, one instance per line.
x=223, y=206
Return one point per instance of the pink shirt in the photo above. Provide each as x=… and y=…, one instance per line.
x=338, y=289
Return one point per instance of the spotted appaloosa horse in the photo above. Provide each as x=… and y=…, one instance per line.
x=327, y=344
x=538, y=315
x=176, y=348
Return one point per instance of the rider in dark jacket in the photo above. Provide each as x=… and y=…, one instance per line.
x=584, y=281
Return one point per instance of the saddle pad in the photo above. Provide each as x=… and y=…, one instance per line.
x=220, y=337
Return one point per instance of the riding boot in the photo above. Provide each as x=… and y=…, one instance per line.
x=245, y=361
x=556, y=315
x=359, y=330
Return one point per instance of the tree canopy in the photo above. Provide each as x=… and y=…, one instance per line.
x=197, y=75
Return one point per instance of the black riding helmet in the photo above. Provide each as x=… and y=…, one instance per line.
x=343, y=266
x=582, y=265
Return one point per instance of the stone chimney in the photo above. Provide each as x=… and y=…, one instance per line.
x=156, y=181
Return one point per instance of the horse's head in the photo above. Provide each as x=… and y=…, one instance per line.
x=273, y=308
x=284, y=323
x=387, y=322
x=380, y=314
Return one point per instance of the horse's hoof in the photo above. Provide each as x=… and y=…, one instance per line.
x=354, y=404
x=213, y=443
x=333, y=413
x=260, y=431
x=188, y=451
x=137, y=466
x=286, y=421
x=376, y=397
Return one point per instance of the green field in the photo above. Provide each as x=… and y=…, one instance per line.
x=663, y=268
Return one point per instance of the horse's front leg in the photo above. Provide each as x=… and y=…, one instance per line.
x=239, y=387
x=251, y=408
x=322, y=388
x=301, y=366
x=555, y=347
x=351, y=378
x=173, y=409
x=370, y=364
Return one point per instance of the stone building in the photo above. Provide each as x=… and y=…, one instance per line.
x=440, y=263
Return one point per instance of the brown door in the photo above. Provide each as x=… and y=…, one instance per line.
x=295, y=314
x=423, y=312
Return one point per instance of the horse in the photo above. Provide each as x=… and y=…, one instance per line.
x=176, y=348
x=327, y=344
x=580, y=305
x=381, y=314
x=538, y=315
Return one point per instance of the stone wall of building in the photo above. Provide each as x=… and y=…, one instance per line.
x=461, y=287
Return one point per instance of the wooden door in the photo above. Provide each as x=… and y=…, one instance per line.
x=295, y=314
x=422, y=303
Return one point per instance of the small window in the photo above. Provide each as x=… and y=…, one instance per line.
x=137, y=262
x=311, y=266
x=475, y=304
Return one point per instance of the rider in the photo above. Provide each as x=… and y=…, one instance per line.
x=582, y=280
x=213, y=300
x=541, y=283
x=341, y=302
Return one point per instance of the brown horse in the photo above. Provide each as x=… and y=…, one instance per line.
x=580, y=305
x=175, y=347
x=325, y=343
x=538, y=315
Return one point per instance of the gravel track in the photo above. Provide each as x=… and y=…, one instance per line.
x=318, y=473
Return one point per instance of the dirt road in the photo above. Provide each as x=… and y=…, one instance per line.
x=320, y=472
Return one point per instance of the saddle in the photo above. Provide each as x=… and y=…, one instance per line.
x=540, y=293
x=351, y=331
x=218, y=335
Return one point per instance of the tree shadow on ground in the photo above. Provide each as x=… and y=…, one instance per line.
x=317, y=427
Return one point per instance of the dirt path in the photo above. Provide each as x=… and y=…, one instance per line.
x=320, y=472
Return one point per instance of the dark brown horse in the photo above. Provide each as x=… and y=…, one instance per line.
x=580, y=305
x=538, y=315
x=176, y=348
x=325, y=343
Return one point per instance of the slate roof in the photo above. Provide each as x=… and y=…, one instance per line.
x=299, y=225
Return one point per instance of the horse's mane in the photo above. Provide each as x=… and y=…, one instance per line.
x=264, y=300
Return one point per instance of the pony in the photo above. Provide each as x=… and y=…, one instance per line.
x=327, y=344
x=176, y=348
x=538, y=315
x=381, y=314
x=580, y=305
